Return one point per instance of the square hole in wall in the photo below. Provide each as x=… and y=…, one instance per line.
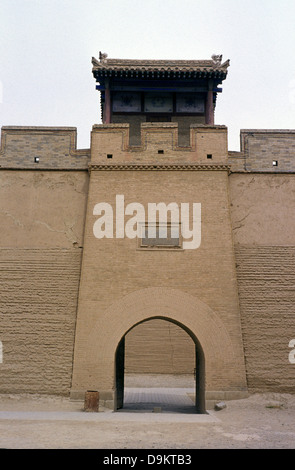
x=275, y=163
x=209, y=156
x=109, y=155
x=36, y=159
x=161, y=151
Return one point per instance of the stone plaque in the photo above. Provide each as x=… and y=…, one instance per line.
x=189, y=103
x=126, y=102
x=158, y=103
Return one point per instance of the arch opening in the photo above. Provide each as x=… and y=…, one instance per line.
x=167, y=399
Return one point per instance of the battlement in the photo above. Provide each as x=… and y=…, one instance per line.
x=159, y=145
x=43, y=148
x=55, y=148
x=265, y=151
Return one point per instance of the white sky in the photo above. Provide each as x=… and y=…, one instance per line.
x=46, y=48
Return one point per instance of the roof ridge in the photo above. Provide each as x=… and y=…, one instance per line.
x=165, y=64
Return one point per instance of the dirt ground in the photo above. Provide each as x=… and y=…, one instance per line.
x=262, y=421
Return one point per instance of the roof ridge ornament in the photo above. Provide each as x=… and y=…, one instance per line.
x=217, y=59
x=102, y=56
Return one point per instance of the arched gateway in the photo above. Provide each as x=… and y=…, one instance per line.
x=219, y=369
x=200, y=405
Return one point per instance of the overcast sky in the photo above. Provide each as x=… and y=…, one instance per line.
x=46, y=48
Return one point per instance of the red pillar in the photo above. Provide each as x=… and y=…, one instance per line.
x=209, y=108
x=210, y=104
x=107, y=105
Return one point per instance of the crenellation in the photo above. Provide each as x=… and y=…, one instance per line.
x=159, y=144
x=41, y=148
x=262, y=148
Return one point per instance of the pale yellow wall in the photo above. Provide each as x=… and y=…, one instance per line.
x=42, y=224
x=262, y=207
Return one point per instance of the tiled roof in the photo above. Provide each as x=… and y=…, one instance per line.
x=123, y=67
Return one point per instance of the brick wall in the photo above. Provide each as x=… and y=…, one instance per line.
x=265, y=151
x=113, y=139
x=53, y=147
x=169, y=349
x=183, y=122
